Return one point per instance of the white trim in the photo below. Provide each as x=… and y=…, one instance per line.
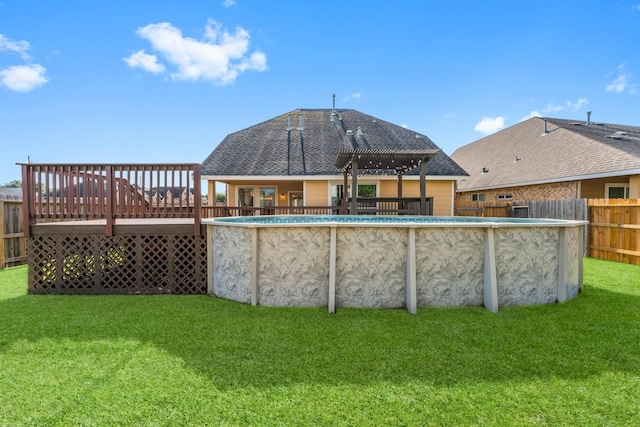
x=607, y=187
x=553, y=180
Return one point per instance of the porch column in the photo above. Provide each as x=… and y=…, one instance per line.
x=634, y=187
x=354, y=186
x=211, y=193
x=423, y=186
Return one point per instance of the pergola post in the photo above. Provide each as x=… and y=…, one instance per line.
x=345, y=195
x=400, y=204
x=354, y=185
x=423, y=186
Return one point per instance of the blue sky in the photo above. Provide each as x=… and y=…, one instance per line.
x=166, y=81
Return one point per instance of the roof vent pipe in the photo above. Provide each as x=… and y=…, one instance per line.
x=588, y=118
x=546, y=131
x=334, y=102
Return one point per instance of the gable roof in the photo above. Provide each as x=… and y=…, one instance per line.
x=570, y=150
x=306, y=142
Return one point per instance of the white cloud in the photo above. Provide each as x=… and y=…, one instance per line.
x=446, y=118
x=229, y=3
x=146, y=62
x=23, y=78
x=552, y=108
x=404, y=125
x=534, y=113
x=220, y=57
x=621, y=80
x=489, y=125
x=20, y=47
x=355, y=95
x=575, y=106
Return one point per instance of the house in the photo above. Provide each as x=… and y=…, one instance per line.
x=10, y=193
x=292, y=160
x=546, y=158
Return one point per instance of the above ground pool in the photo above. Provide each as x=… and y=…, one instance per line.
x=394, y=261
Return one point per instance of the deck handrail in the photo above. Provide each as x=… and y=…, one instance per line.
x=59, y=192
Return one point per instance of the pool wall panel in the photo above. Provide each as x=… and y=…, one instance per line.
x=371, y=267
x=293, y=266
x=450, y=266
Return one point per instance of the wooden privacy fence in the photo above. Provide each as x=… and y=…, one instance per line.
x=12, y=240
x=615, y=230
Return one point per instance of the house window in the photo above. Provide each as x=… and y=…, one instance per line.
x=364, y=190
x=505, y=196
x=616, y=191
x=258, y=197
x=477, y=197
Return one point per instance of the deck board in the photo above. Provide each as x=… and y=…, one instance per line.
x=128, y=226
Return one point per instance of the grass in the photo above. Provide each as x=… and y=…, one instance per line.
x=197, y=360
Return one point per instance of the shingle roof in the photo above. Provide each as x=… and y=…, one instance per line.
x=569, y=150
x=269, y=148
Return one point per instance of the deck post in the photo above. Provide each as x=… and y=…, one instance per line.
x=197, y=199
x=28, y=199
x=110, y=197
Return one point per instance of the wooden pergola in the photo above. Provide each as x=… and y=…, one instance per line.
x=383, y=162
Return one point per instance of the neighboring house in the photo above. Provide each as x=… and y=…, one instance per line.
x=10, y=193
x=552, y=159
x=290, y=160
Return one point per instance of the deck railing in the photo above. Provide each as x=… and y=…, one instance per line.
x=64, y=192
x=366, y=206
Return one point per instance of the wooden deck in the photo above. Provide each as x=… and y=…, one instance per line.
x=120, y=227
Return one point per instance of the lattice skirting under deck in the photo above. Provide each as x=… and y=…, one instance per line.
x=123, y=264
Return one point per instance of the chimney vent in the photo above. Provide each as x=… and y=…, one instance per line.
x=546, y=131
x=588, y=118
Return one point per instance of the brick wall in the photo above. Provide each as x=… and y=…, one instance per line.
x=554, y=191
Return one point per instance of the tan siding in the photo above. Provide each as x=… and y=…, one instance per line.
x=389, y=188
x=317, y=193
x=441, y=192
x=594, y=188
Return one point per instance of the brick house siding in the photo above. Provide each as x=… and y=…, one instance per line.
x=553, y=191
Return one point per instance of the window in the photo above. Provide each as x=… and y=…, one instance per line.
x=616, y=191
x=477, y=197
x=364, y=190
x=505, y=196
x=266, y=196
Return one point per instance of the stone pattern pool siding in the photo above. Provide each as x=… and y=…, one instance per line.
x=403, y=265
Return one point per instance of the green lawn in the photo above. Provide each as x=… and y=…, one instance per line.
x=197, y=360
